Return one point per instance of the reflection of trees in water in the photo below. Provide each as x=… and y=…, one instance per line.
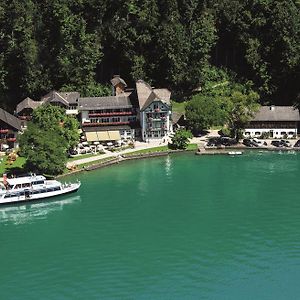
x=25, y=213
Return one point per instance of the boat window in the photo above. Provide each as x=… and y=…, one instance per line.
x=24, y=185
x=57, y=188
x=38, y=182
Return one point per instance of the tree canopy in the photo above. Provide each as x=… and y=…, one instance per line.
x=48, y=137
x=79, y=45
x=222, y=101
x=181, y=138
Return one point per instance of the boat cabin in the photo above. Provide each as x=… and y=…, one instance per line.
x=24, y=182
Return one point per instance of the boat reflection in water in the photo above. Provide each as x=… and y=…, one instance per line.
x=29, y=213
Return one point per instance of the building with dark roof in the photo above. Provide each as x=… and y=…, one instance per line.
x=143, y=111
x=154, y=111
x=67, y=100
x=9, y=128
x=276, y=121
x=104, y=118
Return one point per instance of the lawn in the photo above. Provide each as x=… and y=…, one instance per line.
x=178, y=107
x=17, y=164
x=150, y=150
x=80, y=156
x=190, y=147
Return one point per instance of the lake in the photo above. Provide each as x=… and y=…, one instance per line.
x=176, y=227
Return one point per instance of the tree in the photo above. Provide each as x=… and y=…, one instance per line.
x=45, y=150
x=202, y=112
x=53, y=118
x=180, y=140
x=48, y=137
x=241, y=109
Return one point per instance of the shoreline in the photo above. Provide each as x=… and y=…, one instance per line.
x=201, y=151
x=123, y=158
x=221, y=151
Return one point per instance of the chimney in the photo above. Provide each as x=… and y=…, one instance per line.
x=118, y=85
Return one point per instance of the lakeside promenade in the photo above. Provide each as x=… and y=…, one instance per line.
x=109, y=154
x=200, y=141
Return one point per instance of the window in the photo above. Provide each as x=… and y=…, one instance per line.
x=104, y=120
x=257, y=133
x=37, y=182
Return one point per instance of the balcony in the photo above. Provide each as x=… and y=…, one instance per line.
x=108, y=114
x=11, y=139
x=105, y=123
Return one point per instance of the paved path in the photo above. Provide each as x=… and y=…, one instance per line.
x=138, y=146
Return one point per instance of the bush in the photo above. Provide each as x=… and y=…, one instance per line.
x=225, y=131
x=180, y=140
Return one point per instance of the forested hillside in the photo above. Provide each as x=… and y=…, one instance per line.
x=80, y=44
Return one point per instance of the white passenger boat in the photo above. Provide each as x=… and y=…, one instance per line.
x=34, y=187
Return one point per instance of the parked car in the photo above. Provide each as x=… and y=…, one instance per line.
x=250, y=143
x=285, y=143
x=259, y=143
x=213, y=142
x=247, y=142
x=276, y=143
x=227, y=141
x=73, y=152
x=297, y=144
x=280, y=143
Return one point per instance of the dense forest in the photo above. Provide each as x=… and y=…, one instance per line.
x=80, y=44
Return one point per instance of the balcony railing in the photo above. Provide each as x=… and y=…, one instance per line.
x=11, y=139
x=105, y=123
x=25, y=118
x=107, y=114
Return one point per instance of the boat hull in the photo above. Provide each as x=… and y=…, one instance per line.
x=40, y=197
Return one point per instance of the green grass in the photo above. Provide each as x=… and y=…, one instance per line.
x=150, y=150
x=178, y=107
x=17, y=164
x=87, y=155
x=192, y=147
x=95, y=162
x=216, y=127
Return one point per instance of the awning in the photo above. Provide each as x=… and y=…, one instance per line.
x=100, y=136
x=103, y=136
x=91, y=136
x=114, y=135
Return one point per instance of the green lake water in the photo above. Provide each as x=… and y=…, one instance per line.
x=177, y=227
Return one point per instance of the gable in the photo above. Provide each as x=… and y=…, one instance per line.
x=156, y=102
